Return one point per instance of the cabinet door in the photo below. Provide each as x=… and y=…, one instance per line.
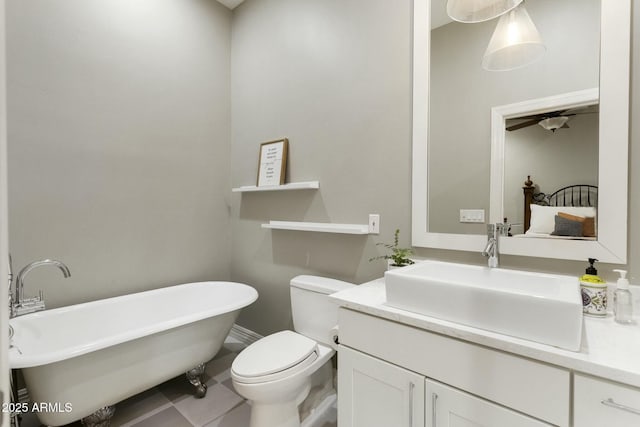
x=450, y=407
x=599, y=403
x=374, y=393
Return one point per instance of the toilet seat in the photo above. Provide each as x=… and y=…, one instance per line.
x=274, y=357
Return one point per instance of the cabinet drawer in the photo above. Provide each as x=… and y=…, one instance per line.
x=600, y=403
x=531, y=387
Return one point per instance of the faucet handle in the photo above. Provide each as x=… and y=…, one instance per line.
x=10, y=268
x=10, y=280
x=502, y=228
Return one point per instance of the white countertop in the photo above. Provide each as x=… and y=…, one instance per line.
x=609, y=350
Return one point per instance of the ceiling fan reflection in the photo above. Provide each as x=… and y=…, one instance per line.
x=551, y=120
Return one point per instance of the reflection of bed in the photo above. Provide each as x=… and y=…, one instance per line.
x=556, y=215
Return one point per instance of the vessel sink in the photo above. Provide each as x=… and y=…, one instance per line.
x=544, y=308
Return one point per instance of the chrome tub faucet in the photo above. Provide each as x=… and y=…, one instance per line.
x=21, y=305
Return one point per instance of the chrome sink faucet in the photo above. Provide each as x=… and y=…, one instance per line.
x=21, y=305
x=491, y=249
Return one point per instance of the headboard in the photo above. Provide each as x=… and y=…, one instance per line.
x=571, y=195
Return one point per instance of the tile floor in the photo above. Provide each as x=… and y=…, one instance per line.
x=172, y=404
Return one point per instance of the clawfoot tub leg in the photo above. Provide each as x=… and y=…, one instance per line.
x=100, y=418
x=195, y=377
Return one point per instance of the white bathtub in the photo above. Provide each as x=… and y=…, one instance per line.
x=86, y=356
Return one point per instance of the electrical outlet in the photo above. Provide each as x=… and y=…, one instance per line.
x=374, y=224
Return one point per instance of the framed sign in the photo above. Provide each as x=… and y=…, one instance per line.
x=272, y=164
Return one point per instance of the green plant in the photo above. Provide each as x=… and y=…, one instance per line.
x=399, y=256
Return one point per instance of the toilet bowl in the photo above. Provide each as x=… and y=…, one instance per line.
x=277, y=381
x=274, y=373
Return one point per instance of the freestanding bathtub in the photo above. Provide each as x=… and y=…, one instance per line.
x=78, y=359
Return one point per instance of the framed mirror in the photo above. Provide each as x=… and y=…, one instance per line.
x=444, y=184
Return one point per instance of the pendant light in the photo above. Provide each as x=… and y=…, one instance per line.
x=471, y=11
x=514, y=44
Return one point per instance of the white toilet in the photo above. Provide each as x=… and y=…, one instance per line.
x=274, y=373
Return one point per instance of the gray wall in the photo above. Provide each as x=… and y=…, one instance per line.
x=342, y=121
x=634, y=149
x=119, y=135
x=4, y=225
x=334, y=76
x=136, y=196
x=462, y=95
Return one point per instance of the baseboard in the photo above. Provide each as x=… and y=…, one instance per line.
x=23, y=395
x=244, y=335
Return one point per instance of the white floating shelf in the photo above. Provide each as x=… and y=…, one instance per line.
x=319, y=227
x=308, y=185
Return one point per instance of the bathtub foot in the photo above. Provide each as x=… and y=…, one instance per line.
x=195, y=377
x=100, y=418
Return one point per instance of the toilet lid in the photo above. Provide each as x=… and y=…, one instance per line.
x=274, y=353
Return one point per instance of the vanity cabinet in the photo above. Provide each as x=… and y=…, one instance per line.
x=374, y=393
x=600, y=403
x=449, y=407
x=500, y=386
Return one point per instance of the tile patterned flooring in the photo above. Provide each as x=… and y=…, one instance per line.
x=172, y=404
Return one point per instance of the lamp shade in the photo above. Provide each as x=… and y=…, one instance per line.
x=553, y=123
x=514, y=44
x=470, y=11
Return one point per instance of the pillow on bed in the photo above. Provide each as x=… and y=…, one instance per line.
x=567, y=227
x=543, y=217
x=588, y=223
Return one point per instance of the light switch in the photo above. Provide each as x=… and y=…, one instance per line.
x=472, y=215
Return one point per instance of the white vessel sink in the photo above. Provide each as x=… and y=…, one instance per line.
x=544, y=308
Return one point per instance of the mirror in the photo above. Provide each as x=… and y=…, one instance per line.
x=563, y=161
x=462, y=95
x=562, y=155
x=479, y=183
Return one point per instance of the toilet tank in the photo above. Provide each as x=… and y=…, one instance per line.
x=313, y=313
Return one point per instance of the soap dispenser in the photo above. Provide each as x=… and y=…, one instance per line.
x=594, y=292
x=622, y=300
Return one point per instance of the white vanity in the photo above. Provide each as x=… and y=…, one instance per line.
x=398, y=368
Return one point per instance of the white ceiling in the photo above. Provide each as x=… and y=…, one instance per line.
x=231, y=3
x=439, y=15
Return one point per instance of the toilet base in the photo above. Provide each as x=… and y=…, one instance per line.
x=279, y=414
x=325, y=412
x=274, y=415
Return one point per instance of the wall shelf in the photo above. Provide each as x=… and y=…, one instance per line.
x=319, y=227
x=307, y=185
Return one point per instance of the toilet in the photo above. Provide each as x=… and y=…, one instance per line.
x=275, y=373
